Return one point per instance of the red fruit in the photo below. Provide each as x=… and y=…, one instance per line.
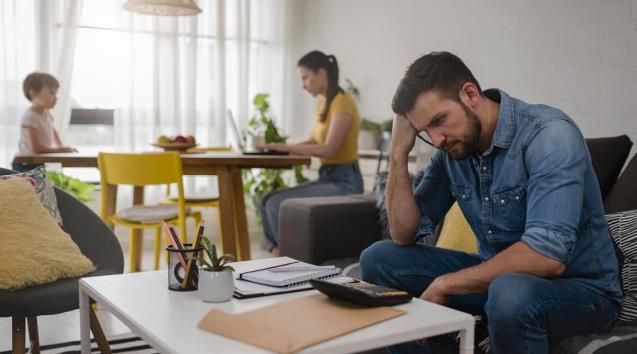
x=179, y=139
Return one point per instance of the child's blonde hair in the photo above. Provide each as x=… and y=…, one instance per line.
x=36, y=81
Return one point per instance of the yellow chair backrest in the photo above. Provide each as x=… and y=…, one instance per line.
x=140, y=169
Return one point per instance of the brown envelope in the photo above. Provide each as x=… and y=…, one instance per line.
x=292, y=325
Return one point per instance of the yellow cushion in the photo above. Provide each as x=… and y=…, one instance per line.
x=35, y=249
x=456, y=234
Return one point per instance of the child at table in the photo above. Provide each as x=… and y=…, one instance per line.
x=37, y=134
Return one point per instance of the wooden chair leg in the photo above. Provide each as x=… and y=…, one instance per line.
x=98, y=334
x=18, y=334
x=34, y=337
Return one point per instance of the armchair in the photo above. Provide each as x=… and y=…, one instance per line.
x=96, y=241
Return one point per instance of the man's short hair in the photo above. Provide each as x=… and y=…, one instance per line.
x=440, y=71
x=36, y=81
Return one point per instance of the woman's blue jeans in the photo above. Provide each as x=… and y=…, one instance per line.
x=525, y=313
x=341, y=179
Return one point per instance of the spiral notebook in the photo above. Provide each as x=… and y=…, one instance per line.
x=287, y=274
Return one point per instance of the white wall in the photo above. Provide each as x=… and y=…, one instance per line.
x=577, y=55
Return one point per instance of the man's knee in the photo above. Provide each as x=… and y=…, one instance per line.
x=510, y=300
x=372, y=259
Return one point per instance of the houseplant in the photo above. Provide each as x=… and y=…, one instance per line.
x=370, y=131
x=80, y=190
x=369, y=134
x=216, y=283
x=260, y=181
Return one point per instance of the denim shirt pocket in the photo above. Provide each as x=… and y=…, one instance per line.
x=462, y=193
x=510, y=207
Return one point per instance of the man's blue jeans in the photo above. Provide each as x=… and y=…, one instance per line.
x=525, y=313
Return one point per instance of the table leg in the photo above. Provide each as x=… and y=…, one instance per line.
x=226, y=210
x=85, y=333
x=138, y=199
x=466, y=340
x=242, y=239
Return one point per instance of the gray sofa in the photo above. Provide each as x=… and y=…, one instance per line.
x=335, y=230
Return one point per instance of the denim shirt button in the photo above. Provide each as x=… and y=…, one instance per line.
x=486, y=199
x=484, y=168
x=490, y=232
x=517, y=197
x=453, y=194
x=464, y=196
x=502, y=201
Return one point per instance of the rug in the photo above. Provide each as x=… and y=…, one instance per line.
x=125, y=343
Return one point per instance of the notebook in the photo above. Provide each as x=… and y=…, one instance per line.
x=246, y=289
x=273, y=276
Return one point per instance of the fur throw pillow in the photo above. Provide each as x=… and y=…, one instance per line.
x=35, y=249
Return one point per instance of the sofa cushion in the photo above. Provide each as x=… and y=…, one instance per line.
x=623, y=229
x=623, y=196
x=608, y=156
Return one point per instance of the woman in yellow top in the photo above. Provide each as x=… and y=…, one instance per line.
x=334, y=140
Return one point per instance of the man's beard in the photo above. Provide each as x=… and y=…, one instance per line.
x=469, y=142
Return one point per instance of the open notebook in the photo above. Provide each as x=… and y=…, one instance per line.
x=286, y=275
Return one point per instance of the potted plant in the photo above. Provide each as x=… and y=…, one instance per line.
x=216, y=283
x=259, y=181
x=80, y=190
x=369, y=134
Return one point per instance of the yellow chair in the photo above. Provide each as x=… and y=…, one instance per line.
x=141, y=170
x=192, y=201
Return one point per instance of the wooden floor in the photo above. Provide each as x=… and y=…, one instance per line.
x=65, y=327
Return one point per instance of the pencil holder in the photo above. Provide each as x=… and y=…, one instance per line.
x=183, y=268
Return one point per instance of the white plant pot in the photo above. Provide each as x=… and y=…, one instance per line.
x=215, y=286
x=367, y=140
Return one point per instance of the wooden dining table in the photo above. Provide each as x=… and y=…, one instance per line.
x=225, y=165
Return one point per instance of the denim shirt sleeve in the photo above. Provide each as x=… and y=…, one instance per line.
x=556, y=160
x=433, y=195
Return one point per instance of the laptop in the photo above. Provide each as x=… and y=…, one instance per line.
x=236, y=140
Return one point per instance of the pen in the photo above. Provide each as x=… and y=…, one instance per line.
x=300, y=269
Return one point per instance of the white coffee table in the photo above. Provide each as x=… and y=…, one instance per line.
x=167, y=320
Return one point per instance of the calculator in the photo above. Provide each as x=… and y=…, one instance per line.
x=362, y=293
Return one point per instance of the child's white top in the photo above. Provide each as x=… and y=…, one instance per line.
x=43, y=130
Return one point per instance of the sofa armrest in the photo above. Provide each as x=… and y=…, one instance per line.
x=320, y=228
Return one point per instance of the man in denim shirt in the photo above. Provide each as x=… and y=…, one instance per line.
x=522, y=175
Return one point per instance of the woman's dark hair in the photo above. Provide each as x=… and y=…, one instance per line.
x=316, y=60
x=442, y=72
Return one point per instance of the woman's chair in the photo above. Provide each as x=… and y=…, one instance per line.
x=141, y=170
x=97, y=242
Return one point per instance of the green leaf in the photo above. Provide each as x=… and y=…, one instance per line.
x=73, y=186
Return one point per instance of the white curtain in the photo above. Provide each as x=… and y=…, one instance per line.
x=31, y=39
x=179, y=75
x=162, y=75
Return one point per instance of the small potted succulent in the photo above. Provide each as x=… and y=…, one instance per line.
x=216, y=283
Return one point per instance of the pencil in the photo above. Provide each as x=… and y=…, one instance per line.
x=190, y=271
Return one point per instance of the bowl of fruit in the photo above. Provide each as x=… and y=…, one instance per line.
x=177, y=143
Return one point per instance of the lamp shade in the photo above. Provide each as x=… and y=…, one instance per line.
x=163, y=7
